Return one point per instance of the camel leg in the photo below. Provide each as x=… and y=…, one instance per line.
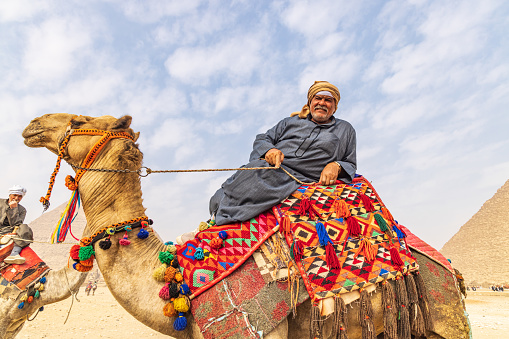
x=14, y=328
x=280, y=332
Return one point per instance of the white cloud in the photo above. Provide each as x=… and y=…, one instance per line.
x=233, y=58
x=52, y=48
x=149, y=11
x=22, y=10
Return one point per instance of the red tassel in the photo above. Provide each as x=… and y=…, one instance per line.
x=353, y=227
x=396, y=259
x=366, y=201
x=298, y=250
x=330, y=256
x=304, y=206
x=285, y=226
x=340, y=208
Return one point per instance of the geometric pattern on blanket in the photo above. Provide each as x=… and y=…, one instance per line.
x=19, y=276
x=355, y=271
x=243, y=239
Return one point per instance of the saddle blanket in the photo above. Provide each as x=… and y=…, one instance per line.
x=20, y=276
x=377, y=251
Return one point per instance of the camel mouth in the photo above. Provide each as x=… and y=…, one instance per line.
x=32, y=136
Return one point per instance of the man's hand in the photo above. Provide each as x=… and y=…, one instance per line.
x=13, y=203
x=274, y=157
x=330, y=173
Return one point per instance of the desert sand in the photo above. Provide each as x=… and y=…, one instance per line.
x=100, y=316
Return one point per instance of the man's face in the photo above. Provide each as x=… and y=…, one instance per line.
x=15, y=197
x=322, y=107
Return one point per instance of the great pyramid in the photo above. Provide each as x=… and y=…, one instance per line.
x=480, y=249
x=55, y=255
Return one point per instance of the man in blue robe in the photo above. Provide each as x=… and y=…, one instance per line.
x=312, y=145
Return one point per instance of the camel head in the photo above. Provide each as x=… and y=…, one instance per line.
x=49, y=131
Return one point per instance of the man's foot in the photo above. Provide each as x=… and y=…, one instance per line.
x=15, y=259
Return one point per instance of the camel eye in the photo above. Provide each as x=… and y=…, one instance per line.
x=77, y=124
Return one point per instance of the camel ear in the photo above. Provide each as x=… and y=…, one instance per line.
x=136, y=136
x=122, y=123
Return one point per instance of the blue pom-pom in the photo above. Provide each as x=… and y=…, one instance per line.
x=323, y=236
x=180, y=323
x=143, y=234
x=168, y=243
x=184, y=289
x=223, y=235
x=21, y=305
x=43, y=280
x=41, y=309
x=198, y=254
x=74, y=265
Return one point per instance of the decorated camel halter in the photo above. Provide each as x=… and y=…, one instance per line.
x=72, y=183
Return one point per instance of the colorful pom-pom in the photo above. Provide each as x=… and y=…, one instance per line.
x=43, y=280
x=41, y=309
x=144, y=223
x=165, y=257
x=88, y=262
x=179, y=277
x=164, y=293
x=174, y=290
x=172, y=249
x=169, y=310
x=175, y=263
x=181, y=304
x=212, y=222
x=22, y=304
x=128, y=228
x=223, y=235
x=74, y=266
x=74, y=252
x=105, y=243
x=110, y=231
x=24, y=297
x=37, y=294
x=159, y=273
x=203, y=226
x=180, y=323
x=30, y=299
x=169, y=274
x=198, y=254
x=86, y=252
x=142, y=234
x=184, y=289
x=80, y=268
x=216, y=243
x=124, y=242
x=41, y=288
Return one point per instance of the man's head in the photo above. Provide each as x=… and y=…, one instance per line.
x=16, y=193
x=323, y=98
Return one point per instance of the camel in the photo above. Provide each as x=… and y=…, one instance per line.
x=60, y=284
x=109, y=198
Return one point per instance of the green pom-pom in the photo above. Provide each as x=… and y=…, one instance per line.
x=86, y=252
x=165, y=257
x=37, y=294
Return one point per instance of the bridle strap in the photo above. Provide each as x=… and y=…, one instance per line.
x=89, y=159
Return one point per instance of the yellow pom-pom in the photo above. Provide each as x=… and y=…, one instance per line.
x=172, y=249
x=203, y=226
x=181, y=304
x=41, y=288
x=158, y=273
x=178, y=277
x=169, y=310
x=24, y=298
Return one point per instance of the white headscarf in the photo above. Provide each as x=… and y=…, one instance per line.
x=17, y=189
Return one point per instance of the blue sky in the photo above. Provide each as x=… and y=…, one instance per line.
x=424, y=83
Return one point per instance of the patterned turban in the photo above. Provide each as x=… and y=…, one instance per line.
x=318, y=86
x=17, y=189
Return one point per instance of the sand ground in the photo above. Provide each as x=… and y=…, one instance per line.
x=99, y=316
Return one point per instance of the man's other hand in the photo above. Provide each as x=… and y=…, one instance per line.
x=13, y=204
x=330, y=174
x=274, y=157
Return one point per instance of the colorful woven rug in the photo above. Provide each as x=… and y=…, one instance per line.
x=378, y=252
x=217, y=263
x=22, y=275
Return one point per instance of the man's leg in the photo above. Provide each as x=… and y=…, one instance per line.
x=15, y=258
